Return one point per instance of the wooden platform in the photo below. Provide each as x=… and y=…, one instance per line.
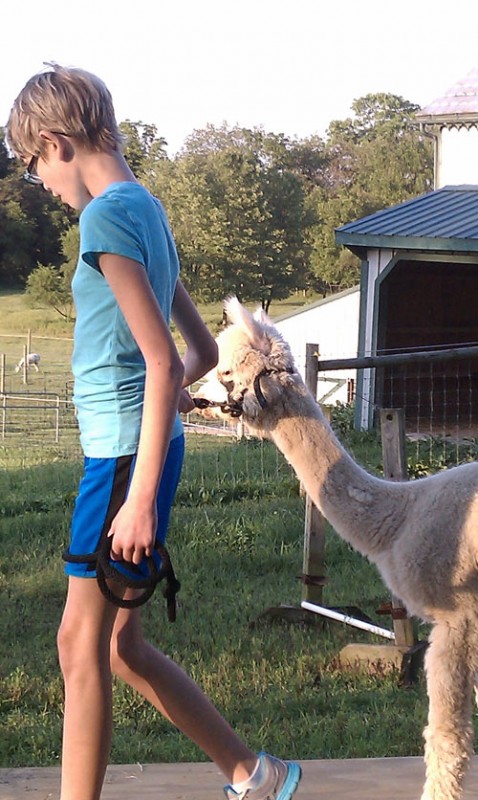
x=354, y=779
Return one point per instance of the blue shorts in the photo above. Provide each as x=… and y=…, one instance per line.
x=102, y=492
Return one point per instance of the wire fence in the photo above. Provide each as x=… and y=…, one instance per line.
x=437, y=390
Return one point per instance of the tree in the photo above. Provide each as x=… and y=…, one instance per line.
x=238, y=214
x=143, y=148
x=70, y=247
x=16, y=243
x=376, y=159
x=47, y=288
x=32, y=222
x=4, y=157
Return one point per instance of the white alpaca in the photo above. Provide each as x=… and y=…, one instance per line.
x=422, y=535
x=33, y=359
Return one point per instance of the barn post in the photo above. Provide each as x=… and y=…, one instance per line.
x=392, y=424
x=313, y=573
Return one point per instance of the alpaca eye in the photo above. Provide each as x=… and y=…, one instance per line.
x=226, y=373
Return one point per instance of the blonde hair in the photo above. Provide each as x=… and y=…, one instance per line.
x=64, y=100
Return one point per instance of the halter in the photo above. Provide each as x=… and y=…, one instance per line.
x=257, y=383
x=234, y=409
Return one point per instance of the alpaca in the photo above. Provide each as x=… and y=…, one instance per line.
x=33, y=359
x=422, y=535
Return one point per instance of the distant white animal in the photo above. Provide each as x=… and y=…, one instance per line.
x=33, y=359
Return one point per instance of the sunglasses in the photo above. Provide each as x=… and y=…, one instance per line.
x=31, y=175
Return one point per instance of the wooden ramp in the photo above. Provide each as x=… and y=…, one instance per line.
x=353, y=779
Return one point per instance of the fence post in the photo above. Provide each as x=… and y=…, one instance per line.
x=25, y=363
x=392, y=425
x=314, y=526
x=3, y=361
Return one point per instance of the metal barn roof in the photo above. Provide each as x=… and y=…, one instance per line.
x=442, y=220
x=458, y=105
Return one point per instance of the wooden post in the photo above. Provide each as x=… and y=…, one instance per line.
x=314, y=525
x=2, y=373
x=392, y=423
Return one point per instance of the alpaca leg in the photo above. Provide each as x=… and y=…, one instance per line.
x=449, y=734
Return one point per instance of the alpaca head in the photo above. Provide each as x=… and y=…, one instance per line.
x=255, y=363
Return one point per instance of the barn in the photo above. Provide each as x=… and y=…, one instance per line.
x=332, y=324
x=419, y=279
x=419, y=276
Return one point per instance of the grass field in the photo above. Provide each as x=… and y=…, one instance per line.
x=236, y=539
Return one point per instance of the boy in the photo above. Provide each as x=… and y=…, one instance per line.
x=129, y=384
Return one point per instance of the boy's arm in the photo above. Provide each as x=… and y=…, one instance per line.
x=201, y=348
x=134, y=527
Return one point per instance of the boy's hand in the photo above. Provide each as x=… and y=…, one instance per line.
x=185, y=404
x=133, y=531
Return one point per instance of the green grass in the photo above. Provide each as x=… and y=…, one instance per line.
x=236, y=539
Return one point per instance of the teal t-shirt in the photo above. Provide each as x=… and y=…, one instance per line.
x=108, y=367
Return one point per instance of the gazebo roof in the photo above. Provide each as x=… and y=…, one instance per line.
x=457, y=106
x=444, y=220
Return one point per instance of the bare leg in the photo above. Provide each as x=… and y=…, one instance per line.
x=449, y=733
x=83, y=645
x=177, y=697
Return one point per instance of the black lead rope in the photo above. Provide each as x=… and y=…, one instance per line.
x=100, y=560
x=233, y=409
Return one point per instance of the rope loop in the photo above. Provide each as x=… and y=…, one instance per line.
x=106, y=569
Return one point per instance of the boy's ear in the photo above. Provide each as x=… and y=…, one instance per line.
x=57, y=142
x=48, y=136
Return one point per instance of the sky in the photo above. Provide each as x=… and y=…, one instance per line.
x=289, y=67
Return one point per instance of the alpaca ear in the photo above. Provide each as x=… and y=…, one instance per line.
x=237, y=314
x=261, y=316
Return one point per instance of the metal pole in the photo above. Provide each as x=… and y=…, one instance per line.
x=348, y=620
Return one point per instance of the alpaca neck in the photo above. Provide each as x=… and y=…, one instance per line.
x=350, y=498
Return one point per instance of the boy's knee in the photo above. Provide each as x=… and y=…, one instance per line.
x=126, y=653
x=121, y=654
x=80, y=649
x=67, y=646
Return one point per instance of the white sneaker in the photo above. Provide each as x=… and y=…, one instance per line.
x=279, y=782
